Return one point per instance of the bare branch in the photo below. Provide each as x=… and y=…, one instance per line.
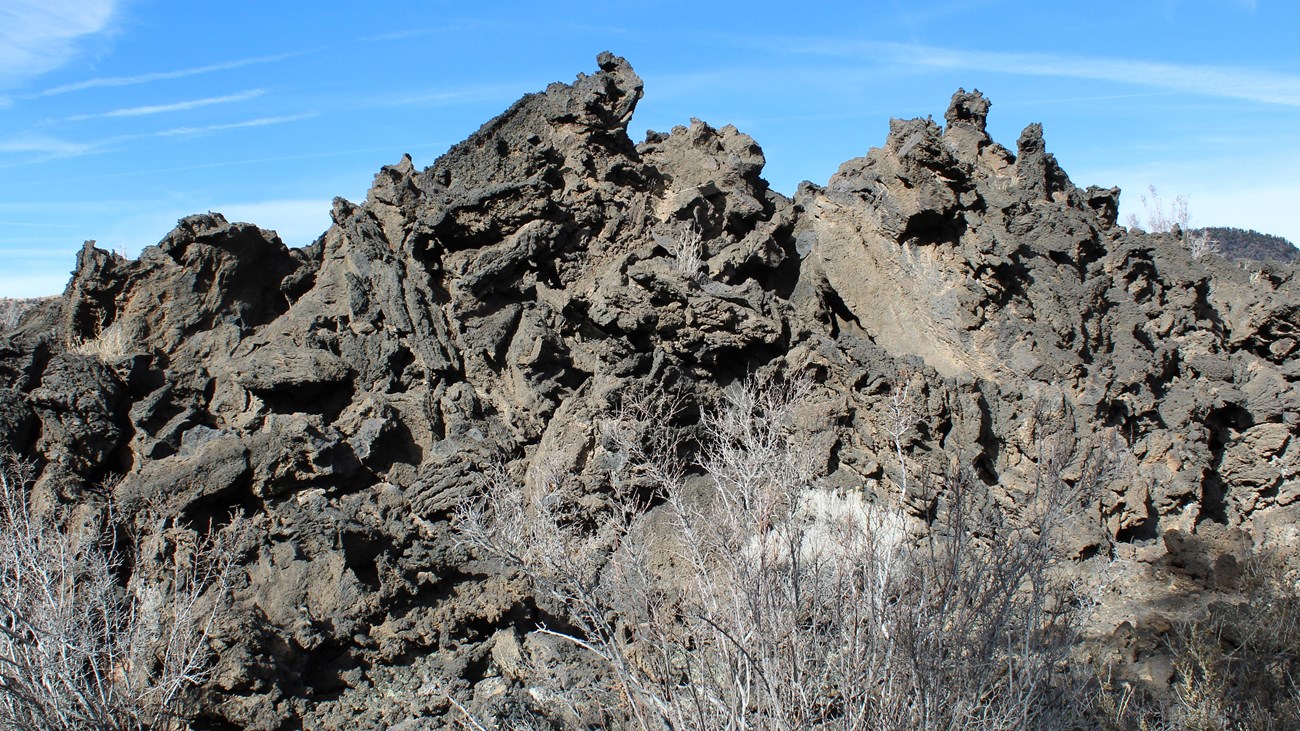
x=80, y=651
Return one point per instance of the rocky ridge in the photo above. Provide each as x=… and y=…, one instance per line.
x=495, y=306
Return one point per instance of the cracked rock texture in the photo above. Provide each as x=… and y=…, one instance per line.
x=494, y=307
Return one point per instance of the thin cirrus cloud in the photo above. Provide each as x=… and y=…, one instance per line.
x=396, y=35
x=112, y=81
x=43, y=145
x=454, y=97
x=202, y=130
x=1265, y=87
x=165, y=108
x=118, y=174
x=43, y=148
x=259, y=122
x=37, y=36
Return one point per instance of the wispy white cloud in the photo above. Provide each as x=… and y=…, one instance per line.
x=1267, y=87
x=915, y=16
x=402, y=34
x=189, y=131
x=396, y=35
x=43, y=145
x=34, y=224
x=112, y=81
x=40, y=148
x=451, y=97
x=164, y=108
x=387, y=150
x=1078, y=99
x=37, y=36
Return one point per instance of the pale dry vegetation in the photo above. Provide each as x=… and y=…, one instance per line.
x=1236, y=667
x=737, y=593
x=1176, y=218
x=84, y=646
x=710, y=583
x=686, y=246
x=111, y=343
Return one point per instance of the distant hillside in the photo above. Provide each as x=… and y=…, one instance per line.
x=1236, y=243
x=12, y=310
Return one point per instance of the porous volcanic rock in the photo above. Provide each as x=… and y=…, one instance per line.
x=493, y=307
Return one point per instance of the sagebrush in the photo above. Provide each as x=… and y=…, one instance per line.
x=737, y=593
x=83, y=645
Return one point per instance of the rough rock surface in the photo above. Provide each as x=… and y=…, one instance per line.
x=494, y=306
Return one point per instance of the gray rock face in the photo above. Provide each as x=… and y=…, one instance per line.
x=494, y=306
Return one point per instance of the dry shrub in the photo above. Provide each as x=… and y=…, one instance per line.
x=1236, y=667
x=1159, y=220
x=750, y=597
x=82, y=649
x=689, y=253
x=112, y=342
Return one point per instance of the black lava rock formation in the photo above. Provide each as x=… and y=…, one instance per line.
x=495, y=306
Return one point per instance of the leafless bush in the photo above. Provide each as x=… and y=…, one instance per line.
x=78, y=650
x=687, y=249
x=1200, y=243
x=752, y=598
x=1158, y=220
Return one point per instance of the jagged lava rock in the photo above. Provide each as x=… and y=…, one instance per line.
x=496, y=305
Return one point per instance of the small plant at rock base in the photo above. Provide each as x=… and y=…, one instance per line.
x=81, y=650
x=1236, y=666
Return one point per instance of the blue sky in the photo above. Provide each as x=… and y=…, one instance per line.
x=117, y=117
